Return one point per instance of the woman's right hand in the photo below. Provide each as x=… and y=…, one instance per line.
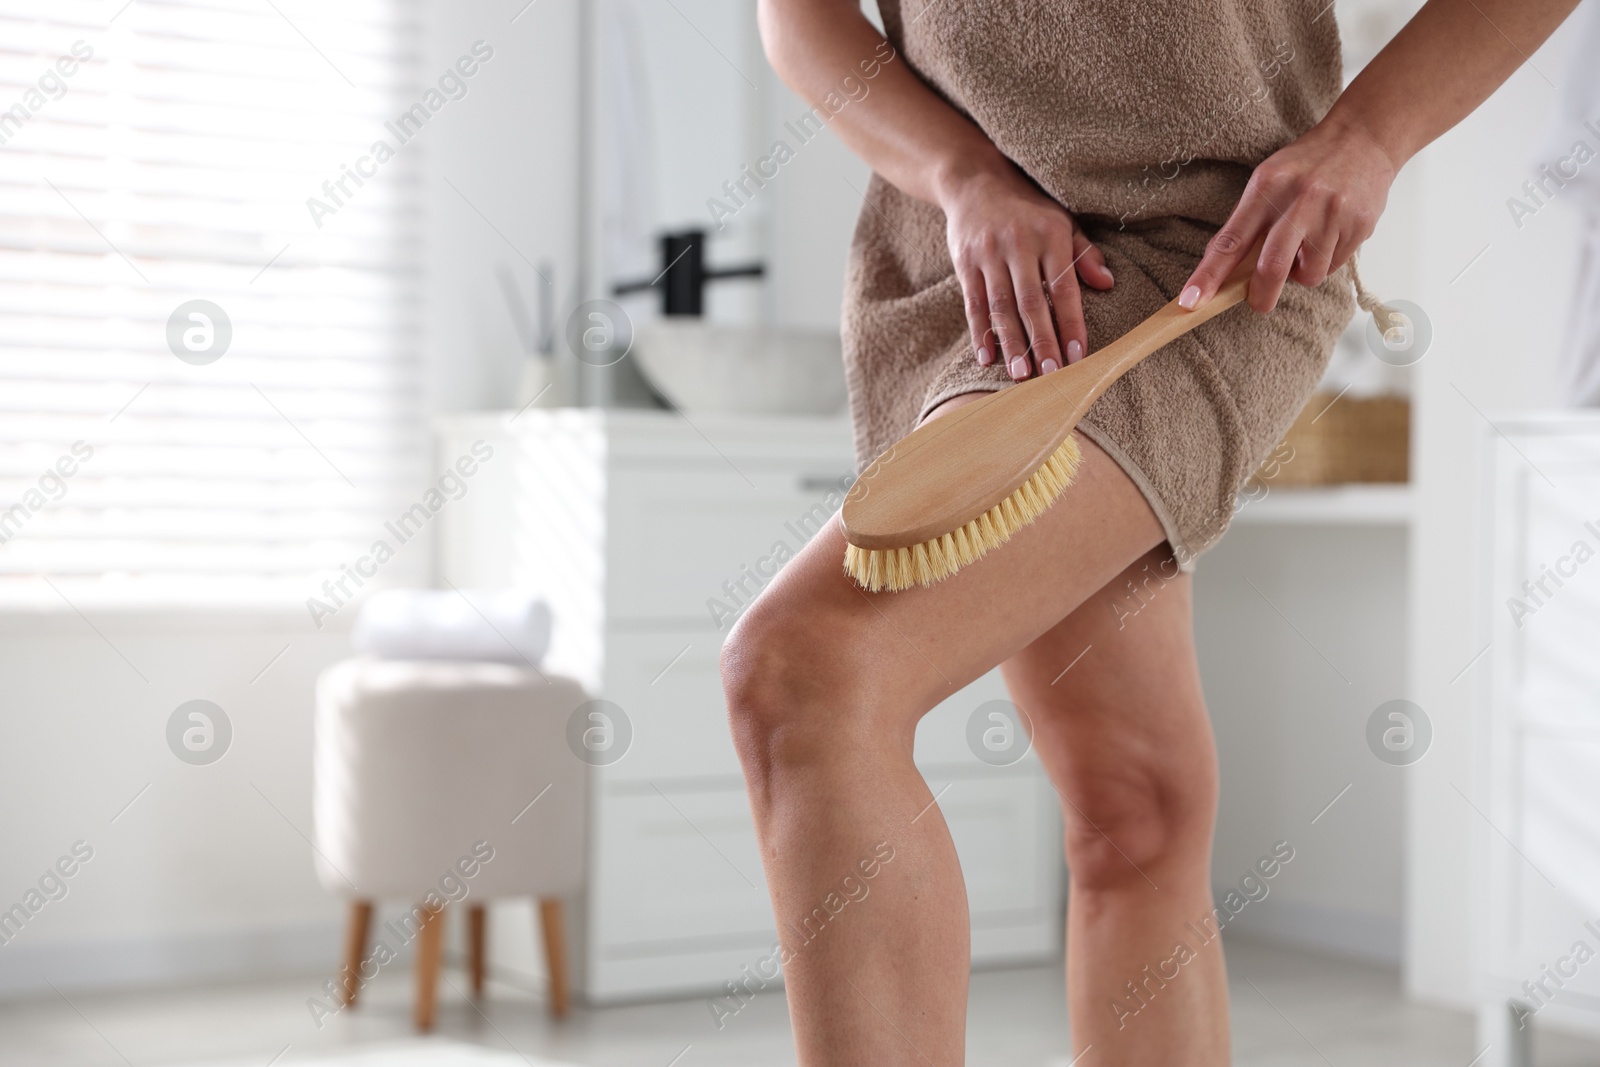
x=1019, y=256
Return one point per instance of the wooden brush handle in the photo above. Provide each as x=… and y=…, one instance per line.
x=1165, y=326
x=948, y=472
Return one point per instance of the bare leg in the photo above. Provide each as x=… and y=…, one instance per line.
x=1124, y=736
x=825, y=685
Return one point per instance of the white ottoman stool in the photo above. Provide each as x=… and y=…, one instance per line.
x=441, y=782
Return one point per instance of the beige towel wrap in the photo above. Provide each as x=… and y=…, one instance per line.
x=1145, y=120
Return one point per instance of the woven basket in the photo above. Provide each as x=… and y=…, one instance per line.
x=1337, y=440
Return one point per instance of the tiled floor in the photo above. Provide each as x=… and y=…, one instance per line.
x=1291, y=1008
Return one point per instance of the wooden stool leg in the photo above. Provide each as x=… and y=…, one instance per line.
x=555, y=952
x=476, y=922
x=355, y=949
x=430, y=939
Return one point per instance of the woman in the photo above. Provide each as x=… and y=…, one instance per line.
x=1019, y=150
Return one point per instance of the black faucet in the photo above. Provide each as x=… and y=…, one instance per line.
x=683, y=276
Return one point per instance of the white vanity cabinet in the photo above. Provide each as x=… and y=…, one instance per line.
x=647, y=531
x=1537, y=787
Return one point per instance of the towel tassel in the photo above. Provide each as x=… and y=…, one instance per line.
x=1391, y=323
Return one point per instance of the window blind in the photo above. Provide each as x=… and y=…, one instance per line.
x=162, y=152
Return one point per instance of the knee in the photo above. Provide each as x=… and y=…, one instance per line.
x=1121, y=827
x=798, y=689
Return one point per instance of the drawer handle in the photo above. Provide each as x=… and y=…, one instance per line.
x=823, y=483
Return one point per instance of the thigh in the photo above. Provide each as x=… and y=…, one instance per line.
x=817, y=630
x=1120, y=724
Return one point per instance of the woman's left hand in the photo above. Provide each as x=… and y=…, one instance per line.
x=1316, y=199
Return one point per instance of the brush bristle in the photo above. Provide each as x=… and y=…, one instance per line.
x=932, y=561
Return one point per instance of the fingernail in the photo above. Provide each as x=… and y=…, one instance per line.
x=1019, y=368
x=984, y=357
x=1189, y=297
x=1113, y=277
x=1074, y=351
x=1048, y=364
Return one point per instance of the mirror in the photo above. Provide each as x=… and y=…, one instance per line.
x=690, y=130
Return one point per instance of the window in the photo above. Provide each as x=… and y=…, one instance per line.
x=161, y=451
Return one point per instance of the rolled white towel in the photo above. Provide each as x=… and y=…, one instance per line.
x=497, y=625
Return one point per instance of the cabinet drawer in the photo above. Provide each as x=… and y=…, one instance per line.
x=678, y=876
x=677, y=871
x=942, y=733
x=1006, y=829
x=667, y=683
x=678, y=533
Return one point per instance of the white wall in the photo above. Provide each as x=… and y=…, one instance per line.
x=815, y=200
x=206, y=871
x=511, y=148
x=1291, y=728
x=201, y=875
x=1496, y=328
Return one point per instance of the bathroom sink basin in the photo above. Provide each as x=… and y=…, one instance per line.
x=701, y=367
